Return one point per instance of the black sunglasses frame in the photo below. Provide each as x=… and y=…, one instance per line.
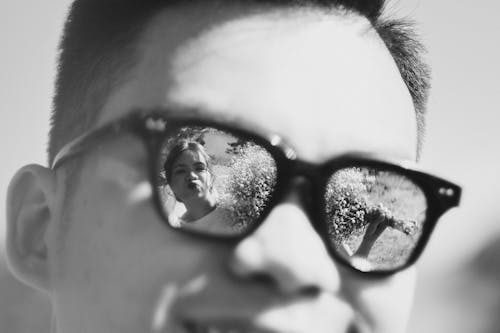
x=154, y=126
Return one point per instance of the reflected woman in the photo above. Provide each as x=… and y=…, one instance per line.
x=189, y=174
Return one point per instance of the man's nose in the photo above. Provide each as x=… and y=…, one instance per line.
x=287, y=250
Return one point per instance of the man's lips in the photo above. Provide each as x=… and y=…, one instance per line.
x=222, y=326
x=182, y=308
x=213, y=321
x=297, y=317
x=240, y=326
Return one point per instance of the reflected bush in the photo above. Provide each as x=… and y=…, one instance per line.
x=249, y=184
x=346, y=203
x=356, y=196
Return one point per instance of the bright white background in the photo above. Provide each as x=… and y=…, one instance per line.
x=462, y=144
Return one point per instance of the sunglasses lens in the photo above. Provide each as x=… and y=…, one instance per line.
x=375, y=217
x=214, y=182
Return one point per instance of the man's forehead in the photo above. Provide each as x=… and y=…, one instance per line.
x=294, y=71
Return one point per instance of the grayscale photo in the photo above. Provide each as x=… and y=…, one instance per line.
x=249, y=166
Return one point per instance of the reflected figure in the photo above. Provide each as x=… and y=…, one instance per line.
x=377, y=224
x=189, y=174
x=374, y=227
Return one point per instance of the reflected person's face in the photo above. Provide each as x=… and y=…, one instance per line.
x=190, y=178
x=325, y=83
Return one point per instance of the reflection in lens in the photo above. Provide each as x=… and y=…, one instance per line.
x=214, y=182
x=375, y=217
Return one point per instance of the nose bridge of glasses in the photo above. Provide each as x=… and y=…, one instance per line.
x=306, y=173
x=302, y=168
x=296, y=259
x=303, y=178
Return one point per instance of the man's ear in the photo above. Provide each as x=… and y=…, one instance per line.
x=30, y=209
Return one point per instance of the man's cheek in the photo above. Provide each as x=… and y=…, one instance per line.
x=385, y=303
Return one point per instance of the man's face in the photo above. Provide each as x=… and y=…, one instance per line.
x=327, y=85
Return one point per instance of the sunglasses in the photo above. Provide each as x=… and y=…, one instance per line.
x=215, y=178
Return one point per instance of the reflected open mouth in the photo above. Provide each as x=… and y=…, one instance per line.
x=193, y=186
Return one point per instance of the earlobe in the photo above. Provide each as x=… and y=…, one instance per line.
x=30, y=201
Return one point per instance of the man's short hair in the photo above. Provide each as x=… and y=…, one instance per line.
x=98, y=49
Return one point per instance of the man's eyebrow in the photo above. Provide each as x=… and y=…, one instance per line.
x=186, y=111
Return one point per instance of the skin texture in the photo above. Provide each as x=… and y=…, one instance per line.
x=324, y=82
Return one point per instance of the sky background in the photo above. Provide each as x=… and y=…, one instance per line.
x=462, y=143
